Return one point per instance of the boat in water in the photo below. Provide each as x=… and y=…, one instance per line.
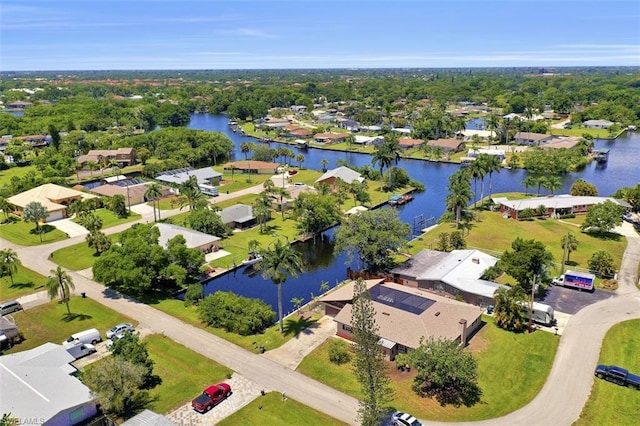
x=252, y=259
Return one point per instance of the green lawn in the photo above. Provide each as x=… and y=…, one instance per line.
x=78, y=256
x=51, y=323
x=25, y=281
x=579, y=131
x=512, y=368
x=6, y=175
x=184, y=373
x=110, y=219
x=271, y=409
x=20, y=232
x=494, y=234
x=609, y=403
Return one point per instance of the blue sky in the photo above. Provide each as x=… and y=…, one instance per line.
x=226, y=34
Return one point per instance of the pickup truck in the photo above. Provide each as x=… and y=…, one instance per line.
x=618, y=375
x=210, y=397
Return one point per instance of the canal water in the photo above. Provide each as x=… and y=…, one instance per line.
x=323, y=265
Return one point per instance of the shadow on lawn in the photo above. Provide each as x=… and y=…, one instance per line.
x=29, y=284
x=295, y=326
x=75, y=317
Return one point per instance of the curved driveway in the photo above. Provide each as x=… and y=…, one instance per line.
x=559, y=403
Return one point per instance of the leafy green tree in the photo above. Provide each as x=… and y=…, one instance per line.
x=118, y=205
x=457, y=241
x=369, y=366
x=5, y=207
x=447, y=372
x=9, y=262
x=188, y=258
x=59, y=284
x=262, y=208
x=98, y=241
x=118, y=385
x=279, y=262
x=130, y=348
x=235, y=313
x=91, y=222
x=35, y=212
x=207, y=221
x=569, y=244
x=459, y=194
x=602, y=217
x=193, y=295
x=316, y=212
x=602, y=264
x=631, y=195
x=153, y=194
x=324, y=162
x=528, y=182
x=583, y=188
x=527, y=259
x=508, y=311
x=442, y=242
x=143, y=154
x=374, y=235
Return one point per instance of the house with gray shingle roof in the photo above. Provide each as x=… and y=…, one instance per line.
x=238, y=216
x=597, y=124
x=404, y=315
x=343, y=173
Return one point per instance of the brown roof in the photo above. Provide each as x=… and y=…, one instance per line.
x=408, y=142
x=531, y=136
x=48, y=195
x=111, y=190
x=445, y=143
x=440, y=320
x=335, y=136
x=251, y=165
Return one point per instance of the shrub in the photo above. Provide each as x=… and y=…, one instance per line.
x=193, y=295
x=610, y=284
x=339, y=352
x=236, y=314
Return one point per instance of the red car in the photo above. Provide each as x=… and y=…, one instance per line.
x=210, y=397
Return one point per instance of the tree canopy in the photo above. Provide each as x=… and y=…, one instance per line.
x=527, y=259
x=602, y=217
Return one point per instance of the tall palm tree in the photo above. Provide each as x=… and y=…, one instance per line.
x=477, y=171
x=279, y=262
x=324, y=163
x=9, y=262
x=190, y=195
x=5, y=207
x=552, y=183
x=493, y=123
x=569, y=243
x=459, y=193
x=493, y=164
x=153, y=193
x=528, y=182
x=60, y=284
x=508, y=311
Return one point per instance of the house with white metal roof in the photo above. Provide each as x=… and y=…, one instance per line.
x=238, y=216
x=597, y=124
x=38, y=386
x=555, y=205
x=204, y=176
x=194, y=239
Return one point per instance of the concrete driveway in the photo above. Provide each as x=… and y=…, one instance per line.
x=69, y=227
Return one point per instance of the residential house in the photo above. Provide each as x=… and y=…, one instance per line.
x=555, y=205
x=148, y=418
x=368, y=140
x=597, y=124
x=343, y=173
x=133, y=190
x=455, y=274
x=404, y=315
x=298, y=108
x=273, y=123
x=447, y=145
x=350, y=125
x=238, y=216
x=468, y=134
x=329, y=138
x=18, y=105
x=407, y=143
x=41, y=384
x=54, y=198
x=561, y=142
x=205, y=176
x=8, y=331
x=122, y=156
x=297, y=132
x=252, y=166
x=531, y=139
x=194, y=239
x=474, y=153
x=402, y=130
x=36, y=141
x=287, y=201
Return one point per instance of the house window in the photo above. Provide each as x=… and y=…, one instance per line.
x=401, y=349
x=346, y=327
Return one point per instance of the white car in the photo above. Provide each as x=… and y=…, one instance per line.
x=404, y=419
x=119, y=329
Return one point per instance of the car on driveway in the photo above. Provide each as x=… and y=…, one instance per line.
x=210, y=397
x=119, y=329
x=404, y=419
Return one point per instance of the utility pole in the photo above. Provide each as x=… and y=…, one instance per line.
x=533, y=289
x=565, y=246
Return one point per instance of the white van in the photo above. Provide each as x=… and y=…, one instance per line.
x=10, y=307
x=88, y=336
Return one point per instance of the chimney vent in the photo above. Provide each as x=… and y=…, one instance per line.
x=476, y=260
x=437, y=313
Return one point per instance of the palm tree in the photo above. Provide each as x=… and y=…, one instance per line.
x=493, y=164
x=324, y=163
x=493, y=123
x=300, y=159
x=279, y=262
x=9, y=262
x=5, y=207
x=552, y=183
x=569, y=243
x=459, y=193
x=528, y=182
x=245, y=149
x=60, y=284
x=190, y=195
x=508, y=312
x=153, y=193
x=477, y=171
x=383, y=158
x=262, y=208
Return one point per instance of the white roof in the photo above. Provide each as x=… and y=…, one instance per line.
x=193, y=238
x=203, y=175
x=563, y=201
x=112, y=179
x=37, y=383
x=342, y=172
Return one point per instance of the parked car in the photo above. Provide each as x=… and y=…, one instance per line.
x=210, y=397
x=404, y=419
x=10, y=307
x=618, y=375
x=119, y=329
x=91, y=335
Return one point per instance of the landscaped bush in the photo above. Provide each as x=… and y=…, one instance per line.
x=610, y=284
x=193, y=295
x=236, y=314
x=567, y=216
x=339, y=352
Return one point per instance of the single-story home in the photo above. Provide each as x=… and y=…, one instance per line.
x=531, y=139
x=273, y=123
x=343, y=173
x=40, y=384
x=204, y=176
x=148, y=418
x=124, y=156
x=252, y=166
x=350, y=125
x=238, y=216
x=474, y=153
x=404, y=315
x=454, y=274
x=561, y=142
x=447, y=145
x=298, y=132
x=35, y=140
x=597, y=124
x=133, y=190
x=468, y=134
x=368, y=140
x=194, y=239
x=555, y=205
x=407, y=143
x=329, y=138
x=54, y=198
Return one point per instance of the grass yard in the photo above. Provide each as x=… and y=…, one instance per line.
x=512, y=368
x=6, y=175
x=20, y=232
x=609, y=403
x=51, y=323
x=272, y=410
x=494, y=234
x=110, y=219
x=78, y=256
x=25, y=281
x=184, y=373
x=579, y=131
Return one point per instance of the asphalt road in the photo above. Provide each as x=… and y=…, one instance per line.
x=571, y=300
